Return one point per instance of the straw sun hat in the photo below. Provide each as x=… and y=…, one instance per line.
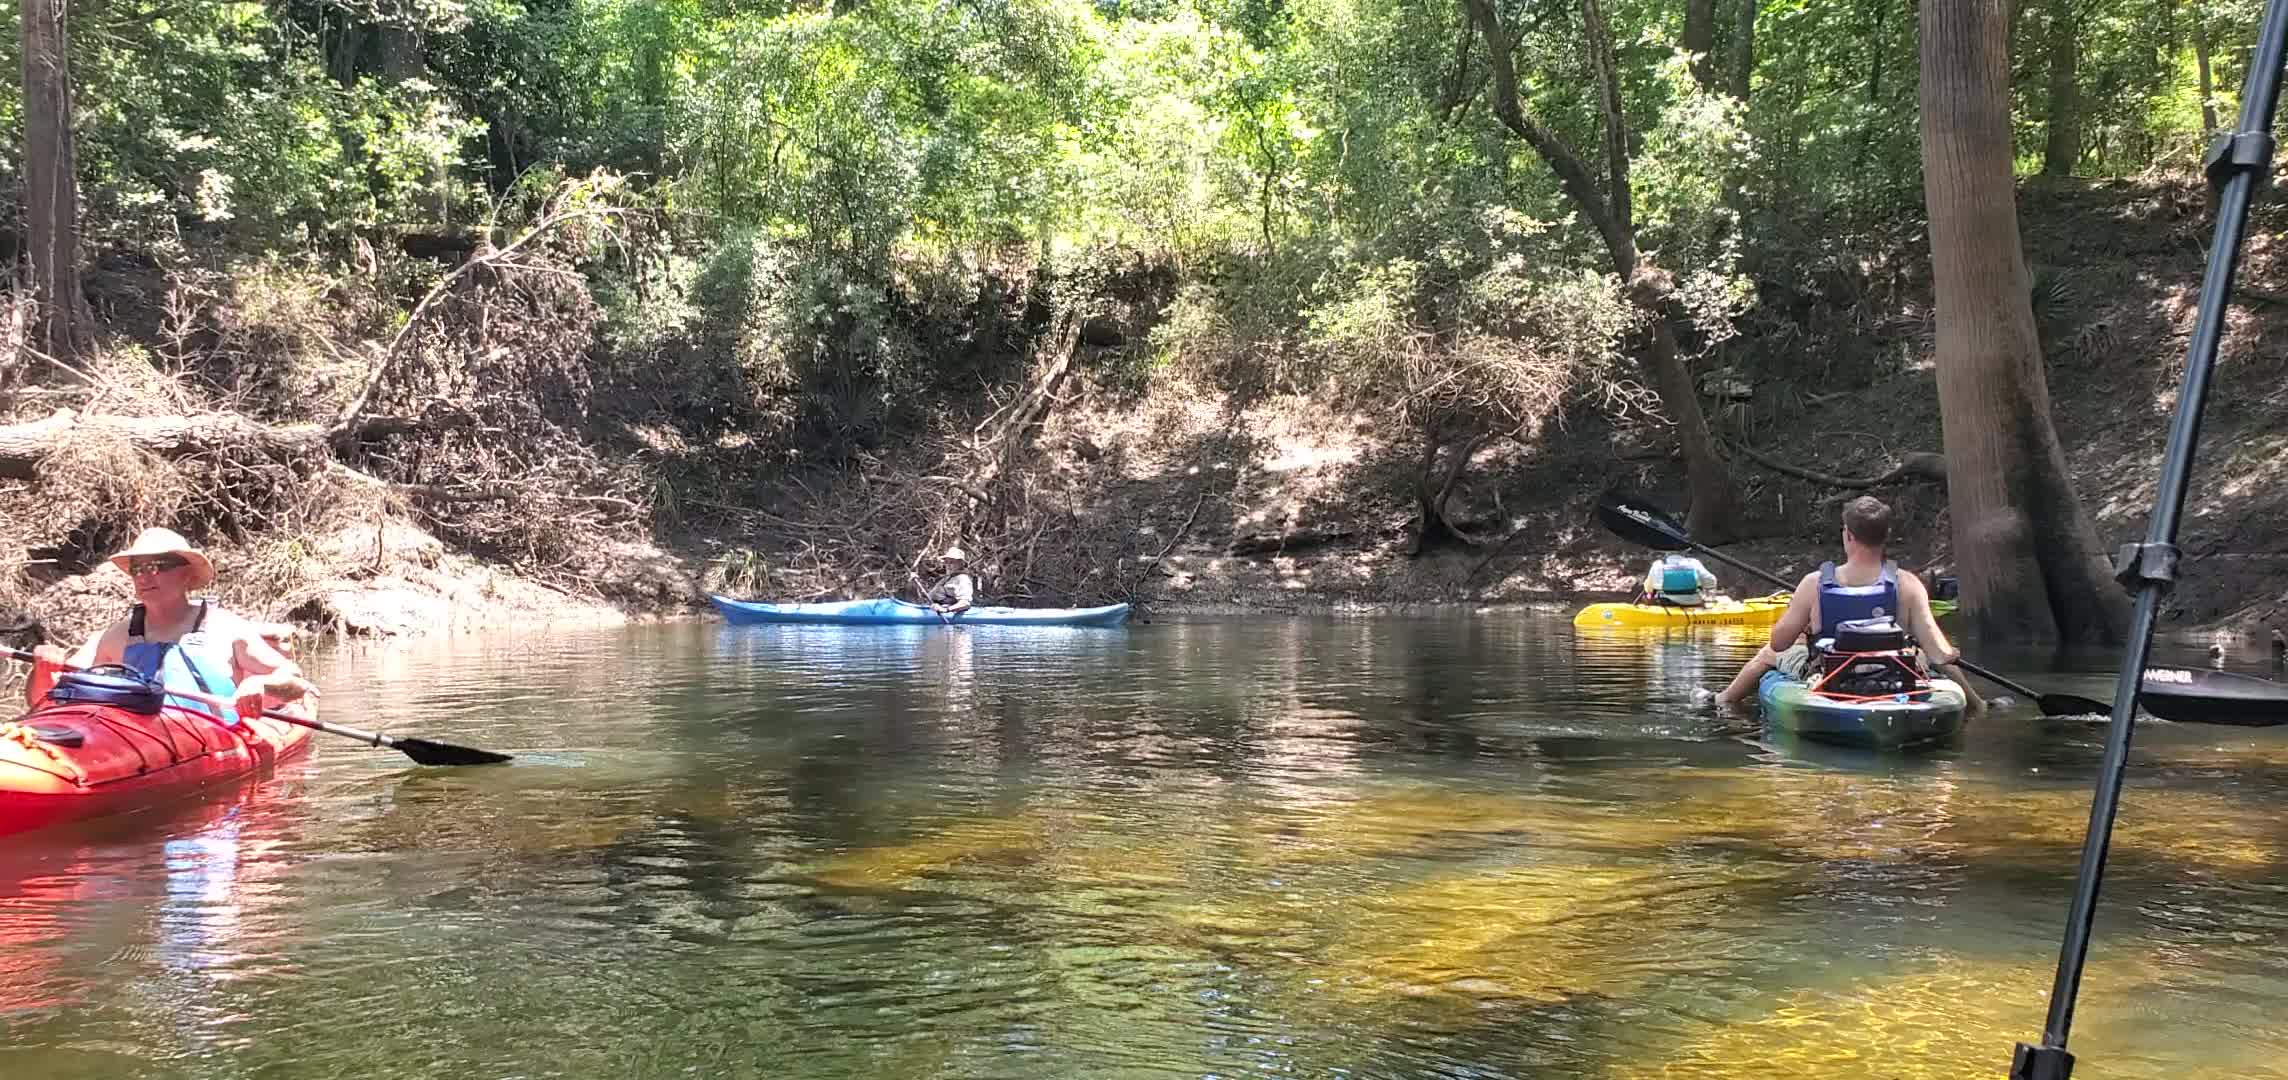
x=168, y=542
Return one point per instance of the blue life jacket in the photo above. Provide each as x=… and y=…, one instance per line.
x=1840, y=603
x=1682, y=580
x=194, y=662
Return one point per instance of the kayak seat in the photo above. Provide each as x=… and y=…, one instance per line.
x=1869, y=658
x=1870, y=635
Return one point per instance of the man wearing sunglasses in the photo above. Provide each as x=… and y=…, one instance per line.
x=178, y=642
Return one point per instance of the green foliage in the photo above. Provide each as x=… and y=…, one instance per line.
x=896, y=125
x=1691, y=153
x=1148, y=168
x=1470, y=347
x=2137, y=88
x=1330, y=187
x=221, y=118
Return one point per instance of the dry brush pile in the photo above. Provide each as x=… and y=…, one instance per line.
x=1034, y=519
x=286, y=407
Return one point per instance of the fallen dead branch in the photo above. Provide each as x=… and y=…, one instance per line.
x=567, y=206
x=24, y=446
x=1918, y=467
x=1287, y=543
x=1128, y=588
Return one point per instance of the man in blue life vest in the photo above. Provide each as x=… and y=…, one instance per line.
x=181, y=643
x=1679, y=580
x=1866, y=586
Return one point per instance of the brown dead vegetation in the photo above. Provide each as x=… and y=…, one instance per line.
x=270, y=420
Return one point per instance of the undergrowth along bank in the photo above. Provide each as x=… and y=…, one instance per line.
x=609, y=417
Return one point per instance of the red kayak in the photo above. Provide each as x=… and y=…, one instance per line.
x=83, y=759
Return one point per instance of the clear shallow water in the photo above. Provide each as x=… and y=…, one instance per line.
x=1468, y=845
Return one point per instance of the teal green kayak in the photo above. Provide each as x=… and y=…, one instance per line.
x=1883, y=723
x=889, y=611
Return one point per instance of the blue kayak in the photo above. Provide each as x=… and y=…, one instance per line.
x=1883, y=723
x=889, y=611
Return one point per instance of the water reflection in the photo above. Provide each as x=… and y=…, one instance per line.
x=183, y=895
x=1475, y=845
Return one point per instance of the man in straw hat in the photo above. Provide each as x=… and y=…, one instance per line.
x=181, y=643
x=955, y=591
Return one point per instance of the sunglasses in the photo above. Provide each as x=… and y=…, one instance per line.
x=155, y=564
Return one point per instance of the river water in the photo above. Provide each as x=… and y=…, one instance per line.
x=1462, y=845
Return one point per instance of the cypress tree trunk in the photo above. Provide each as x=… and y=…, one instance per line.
x=2061, y=150
x=2028, y=557
x=1744, y=48
x=1700, y=40
x=62, y=327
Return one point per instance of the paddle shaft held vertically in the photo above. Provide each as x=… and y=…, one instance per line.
x=2237, y=160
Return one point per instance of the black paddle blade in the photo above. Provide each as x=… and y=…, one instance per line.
x=2072, y=705
x=426, y=752
x=1641, y=521
x=2194, y=696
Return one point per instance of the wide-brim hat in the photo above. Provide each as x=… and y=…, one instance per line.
x=953, y=554
x=168, y=542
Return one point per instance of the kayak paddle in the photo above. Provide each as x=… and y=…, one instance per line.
x=1639, y=521
x=2192, y=696
x=422, y=751
x=931, y=604
x=2238, y=164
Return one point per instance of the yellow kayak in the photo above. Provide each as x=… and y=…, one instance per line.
x=1754, y=611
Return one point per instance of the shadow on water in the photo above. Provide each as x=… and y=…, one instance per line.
x=1459, y=844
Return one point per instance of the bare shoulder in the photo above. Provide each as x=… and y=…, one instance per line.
x=106, y=646
x=1806, y=593
x=1911, y=585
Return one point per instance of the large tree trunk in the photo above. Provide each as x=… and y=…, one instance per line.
x=2027, y=555
x=404, y=52
x=1744, y=47
x=63, y=327
x=345, y=52
x=1714, y=507
x=1713, y=515
x=2062, y=149
x=1878, y=57
x=1700, y=40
